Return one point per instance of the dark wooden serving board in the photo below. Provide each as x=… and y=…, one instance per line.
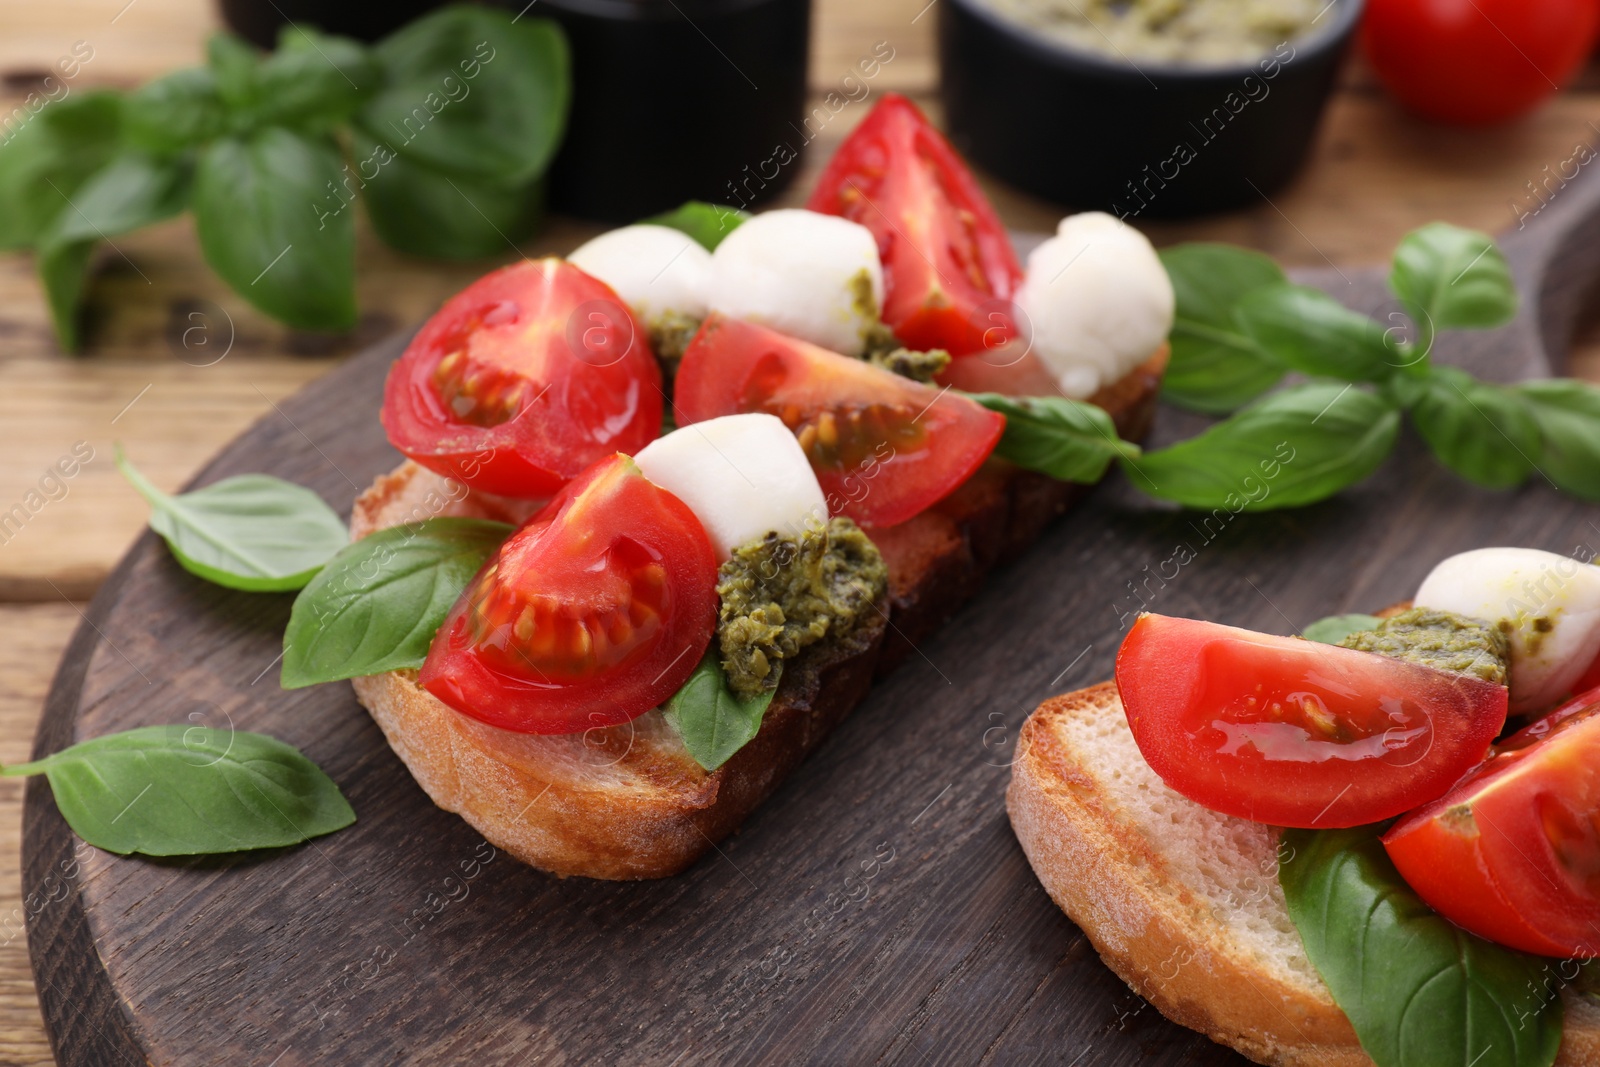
x=877, y=910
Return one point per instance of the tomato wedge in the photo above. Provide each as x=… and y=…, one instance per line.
x=1512, y=853
x=949, y=268
x=523, y=379
x=1294, y=733
x=883, y=447
x=592, y=613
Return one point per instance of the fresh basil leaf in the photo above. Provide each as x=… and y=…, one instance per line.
x=1215, y=367
x=177, y=112
x=707, y=223
x=377, y=604
x=1451, y=278
x=1483, y=432
x=1567, y=413
x=1069, y=440
x=429, y=212
x=260, y=205
x=1420, y=991
x=713, y=722
x=233, y=62
x=1336, y=628
x=1307, y=330
x=314, y=78
x=475, y=91
x=131, y=191
x=250, y=532
x=186, y=790
x=1291, y=448
x=45, y=160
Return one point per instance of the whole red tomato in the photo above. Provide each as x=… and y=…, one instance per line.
x=1477, y=61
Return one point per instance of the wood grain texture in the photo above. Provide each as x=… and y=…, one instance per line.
x=877, y=909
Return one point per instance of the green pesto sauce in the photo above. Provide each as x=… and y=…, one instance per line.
x=880, y=347
x=780, y=594
x=670, y=335
x=1442, y=640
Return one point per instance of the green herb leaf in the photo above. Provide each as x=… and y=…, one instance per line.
x=250, y=532
x=1307, y=330
x=1291, y=448
x=1451, y=278
x=1567, y=413
x=429, y=212
x=1215, y=366
x=44, y=161
x=707, y=223
x=474, y=91
x=1420, y=991
x=1483, y=432
x=1336, y=628
x=177, y=112
x=186, y=790
x=270, y=225
x=377, y=604
x=233, y=62
x=131, y=191
x=314, y=79
x=1067, y=439
x=713, y=722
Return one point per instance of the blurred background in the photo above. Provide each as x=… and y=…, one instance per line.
x=173, y=363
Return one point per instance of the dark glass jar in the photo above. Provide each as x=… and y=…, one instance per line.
x=678, y=100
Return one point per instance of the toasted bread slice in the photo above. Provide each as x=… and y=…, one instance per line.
x=629, y=801
x=1182, y=902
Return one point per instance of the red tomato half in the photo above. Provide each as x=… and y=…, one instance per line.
x=949, y=268
x=884, y=447
x=1476, y=61
x=523, y=379
x=591, y=614
x=1294, y=733
x=1512, y=853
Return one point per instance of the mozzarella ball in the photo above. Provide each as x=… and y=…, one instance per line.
x=1550, y=602
x=743, y=476
x=802, y=274
x=1097, y=300
x=654, y=269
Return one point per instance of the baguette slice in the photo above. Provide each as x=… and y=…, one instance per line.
x=629, y=801
x=1182, y=902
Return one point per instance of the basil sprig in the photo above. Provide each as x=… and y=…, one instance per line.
x=186, y=790
x=1066, y=439
x=377, y=604
x=445, y=128
x=1336, y=628
x=251, y=532
x=713, y=721
x=1419, y=990
x=707, y=223
x=1240, y=326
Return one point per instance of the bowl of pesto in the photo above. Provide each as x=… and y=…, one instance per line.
x=1141, y=108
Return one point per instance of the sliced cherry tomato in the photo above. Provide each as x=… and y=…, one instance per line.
x=1294, y=733
x=1012, y=370
x=523, y=379
x=1512, y=853
x=591, y=614
x=1476, y=61
x=883, y=447
x=949, y=268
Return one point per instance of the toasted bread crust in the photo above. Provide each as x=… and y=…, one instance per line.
x=628, y=801
x=1154, y=932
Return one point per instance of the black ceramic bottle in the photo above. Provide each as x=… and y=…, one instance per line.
x=678, y=100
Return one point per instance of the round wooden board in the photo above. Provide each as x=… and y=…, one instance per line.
x=877, y=909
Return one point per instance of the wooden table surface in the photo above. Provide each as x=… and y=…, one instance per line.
x=173, y=394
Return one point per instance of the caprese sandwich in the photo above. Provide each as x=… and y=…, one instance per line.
x=1376, y=843
x=670, y=505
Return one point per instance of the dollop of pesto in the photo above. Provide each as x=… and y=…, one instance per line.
x=880, y=347
x=1442, y=640
x=781, y=593
x=670, y=334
